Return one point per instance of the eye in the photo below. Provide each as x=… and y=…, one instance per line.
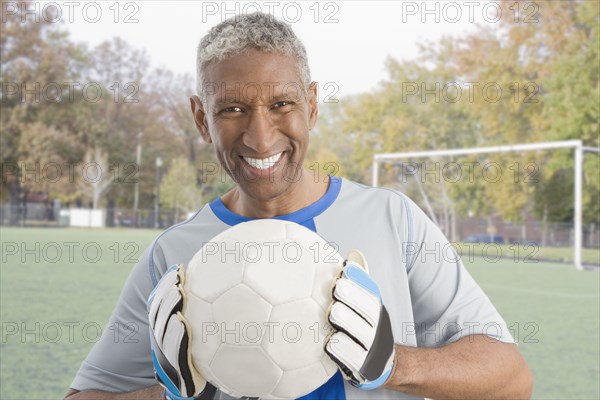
x=232, y=109
x=281, y=104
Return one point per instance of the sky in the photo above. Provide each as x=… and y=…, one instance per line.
x=347, y=41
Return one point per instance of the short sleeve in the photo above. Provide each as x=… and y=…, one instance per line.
x=121, y=360
x=447, y=302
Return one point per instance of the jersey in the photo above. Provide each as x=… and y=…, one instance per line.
x=431, y=298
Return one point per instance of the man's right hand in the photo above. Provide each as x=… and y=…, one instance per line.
x=170, y=341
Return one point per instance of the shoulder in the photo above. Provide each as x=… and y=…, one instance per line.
x=353, y=188
x=363, y=197
x=379, y=211
x=383, y=209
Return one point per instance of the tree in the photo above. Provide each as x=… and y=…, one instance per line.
x=531, y=77
x=35, y=57
x=571, y=107
x=178, y=189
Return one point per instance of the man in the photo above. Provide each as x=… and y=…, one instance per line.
x=257, y=105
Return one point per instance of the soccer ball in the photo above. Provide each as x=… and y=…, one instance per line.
x=257, y=297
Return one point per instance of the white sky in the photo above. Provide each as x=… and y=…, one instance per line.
x=350, y=50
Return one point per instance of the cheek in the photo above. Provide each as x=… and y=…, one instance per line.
x=221, y=139
x=298, y=127
x=224, y=160
x=224, y=145
x=221, y=148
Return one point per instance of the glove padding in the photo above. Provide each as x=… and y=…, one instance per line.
x=362, y=344
x=170, y=339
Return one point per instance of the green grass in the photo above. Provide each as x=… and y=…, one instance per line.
x=552, y=309
x=528, y=253
x=65, y=292
x=554, y=313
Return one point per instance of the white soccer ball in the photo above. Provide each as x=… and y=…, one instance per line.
x=257, y=297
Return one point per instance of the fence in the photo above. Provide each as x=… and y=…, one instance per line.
x=551, y=234
x=544, y=234
x=41, y=215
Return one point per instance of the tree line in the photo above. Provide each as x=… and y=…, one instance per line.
x=86, y=125
x=506, y=83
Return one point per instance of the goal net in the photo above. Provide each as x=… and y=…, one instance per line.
x=535, y=201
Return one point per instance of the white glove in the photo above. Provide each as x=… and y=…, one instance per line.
x=170, y=338
x=362, y=344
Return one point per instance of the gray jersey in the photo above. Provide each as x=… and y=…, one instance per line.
x=431, y=298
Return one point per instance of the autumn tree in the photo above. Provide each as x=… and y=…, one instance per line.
x=37, y=62
x=179, y=188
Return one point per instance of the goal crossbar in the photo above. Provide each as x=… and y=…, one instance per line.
x=577, y=145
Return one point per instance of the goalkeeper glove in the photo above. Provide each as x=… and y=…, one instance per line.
x=170, y=339
x=362, y=344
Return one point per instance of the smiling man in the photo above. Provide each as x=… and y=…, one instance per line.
x=416, y=326
x=258, y=112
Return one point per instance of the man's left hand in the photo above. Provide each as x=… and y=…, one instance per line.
x=362, y=344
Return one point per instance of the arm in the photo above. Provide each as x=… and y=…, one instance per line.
x=151, y=393
x=456, y=356
x=474, y=367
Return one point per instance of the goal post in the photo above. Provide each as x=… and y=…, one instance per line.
x=576, y=145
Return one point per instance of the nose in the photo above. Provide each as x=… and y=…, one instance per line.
x=260, y=133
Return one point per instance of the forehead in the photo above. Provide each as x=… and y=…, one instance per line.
x=252, y=71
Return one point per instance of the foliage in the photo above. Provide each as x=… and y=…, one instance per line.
x=510, y=82
x=178, y=189
x=124, y=106
x=521, y=83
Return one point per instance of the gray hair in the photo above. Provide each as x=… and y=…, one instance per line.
x=244, y=32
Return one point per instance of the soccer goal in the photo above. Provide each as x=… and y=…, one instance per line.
x=408, y=167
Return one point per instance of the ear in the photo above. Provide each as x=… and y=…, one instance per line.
x=312, y=105
x=200, y=118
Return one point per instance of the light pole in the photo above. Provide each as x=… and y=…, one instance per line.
x=159, y=164
x=136, y=188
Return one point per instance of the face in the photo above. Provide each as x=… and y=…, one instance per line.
x=258, y=117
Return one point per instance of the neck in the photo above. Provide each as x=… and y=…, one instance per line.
x=301, y=194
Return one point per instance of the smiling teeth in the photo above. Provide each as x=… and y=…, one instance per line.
x=263, y=163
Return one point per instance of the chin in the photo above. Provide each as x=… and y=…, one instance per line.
x=263, y=190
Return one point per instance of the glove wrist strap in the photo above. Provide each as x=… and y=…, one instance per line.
x=370, y=385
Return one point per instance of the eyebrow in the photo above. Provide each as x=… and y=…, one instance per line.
x=281, y=97
x=227, y=100
x=236, y=100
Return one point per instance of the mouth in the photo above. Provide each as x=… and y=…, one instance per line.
x=263, y=164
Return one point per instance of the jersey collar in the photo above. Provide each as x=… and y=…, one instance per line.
x=301, y=216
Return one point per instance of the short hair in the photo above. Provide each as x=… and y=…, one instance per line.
x=244, y=32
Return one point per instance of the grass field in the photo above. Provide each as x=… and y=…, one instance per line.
x=52, y=309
